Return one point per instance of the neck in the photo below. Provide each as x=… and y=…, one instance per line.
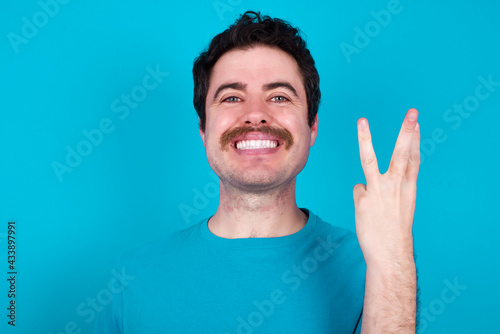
x=243, y=214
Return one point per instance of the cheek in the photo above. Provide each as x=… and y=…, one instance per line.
x=214, y=130
x=295, y=127
x=220, y=122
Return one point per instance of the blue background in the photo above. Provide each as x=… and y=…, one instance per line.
x=149, y=176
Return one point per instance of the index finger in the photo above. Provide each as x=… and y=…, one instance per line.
x=367, y=153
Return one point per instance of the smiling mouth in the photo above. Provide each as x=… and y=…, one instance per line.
x=256, y=140
x=255, y=144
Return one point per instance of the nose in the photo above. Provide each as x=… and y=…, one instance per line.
x=256, y=113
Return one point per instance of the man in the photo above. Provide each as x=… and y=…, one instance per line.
x=261, y=264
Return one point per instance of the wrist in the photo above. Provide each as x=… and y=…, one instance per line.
x=402, y=260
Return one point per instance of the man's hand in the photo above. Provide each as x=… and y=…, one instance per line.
x=384, y=210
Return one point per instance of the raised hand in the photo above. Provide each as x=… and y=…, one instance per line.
x=384, y=207
x=384, y=210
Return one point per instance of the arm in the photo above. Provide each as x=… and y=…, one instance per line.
x=384, y=210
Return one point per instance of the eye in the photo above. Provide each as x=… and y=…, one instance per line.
x=231, y=99
x=280, y=99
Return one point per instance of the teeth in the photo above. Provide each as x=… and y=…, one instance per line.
x=254, y=144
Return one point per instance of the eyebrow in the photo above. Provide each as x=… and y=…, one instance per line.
x=280, y=84
x=233, y=85
x=266, y=87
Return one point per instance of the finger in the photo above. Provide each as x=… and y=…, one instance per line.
x=358, y=189
x=367, y=154
x=357, y=192
x=414, y=163
x=401, y=153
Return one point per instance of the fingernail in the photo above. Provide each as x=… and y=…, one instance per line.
x=412, y=116
x=363, y=124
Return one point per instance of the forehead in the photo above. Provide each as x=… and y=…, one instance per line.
x=256, y=65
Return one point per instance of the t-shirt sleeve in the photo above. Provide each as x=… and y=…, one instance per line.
x=109, y=320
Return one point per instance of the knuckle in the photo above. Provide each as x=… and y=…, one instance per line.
x=369, y=160
x=358, y=187
x=395, y=174
x=415, y=159
x=360, y=201
x=358, y=191
x=409, y=128
x=402, y=156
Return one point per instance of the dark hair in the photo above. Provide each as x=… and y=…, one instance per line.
x=251, y=30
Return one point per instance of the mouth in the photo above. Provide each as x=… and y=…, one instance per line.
x=253, y=140
x=256, y=144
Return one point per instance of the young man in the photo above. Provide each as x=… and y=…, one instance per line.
x=261, y=264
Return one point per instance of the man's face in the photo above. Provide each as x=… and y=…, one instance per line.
x=257, y=136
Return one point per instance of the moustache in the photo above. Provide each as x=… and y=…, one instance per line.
x=282, y=133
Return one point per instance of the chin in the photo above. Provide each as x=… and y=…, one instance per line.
x=256, y=182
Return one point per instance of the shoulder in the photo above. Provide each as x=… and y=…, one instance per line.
x=347, y=265
x=340, y=236
x=161, y=248
x=340, y=242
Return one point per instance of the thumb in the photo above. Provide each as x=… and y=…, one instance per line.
x=358, y=190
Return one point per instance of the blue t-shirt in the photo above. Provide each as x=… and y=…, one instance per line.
x=193, y=281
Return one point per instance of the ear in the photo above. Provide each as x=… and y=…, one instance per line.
x=202, y=133
x=314, y=130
